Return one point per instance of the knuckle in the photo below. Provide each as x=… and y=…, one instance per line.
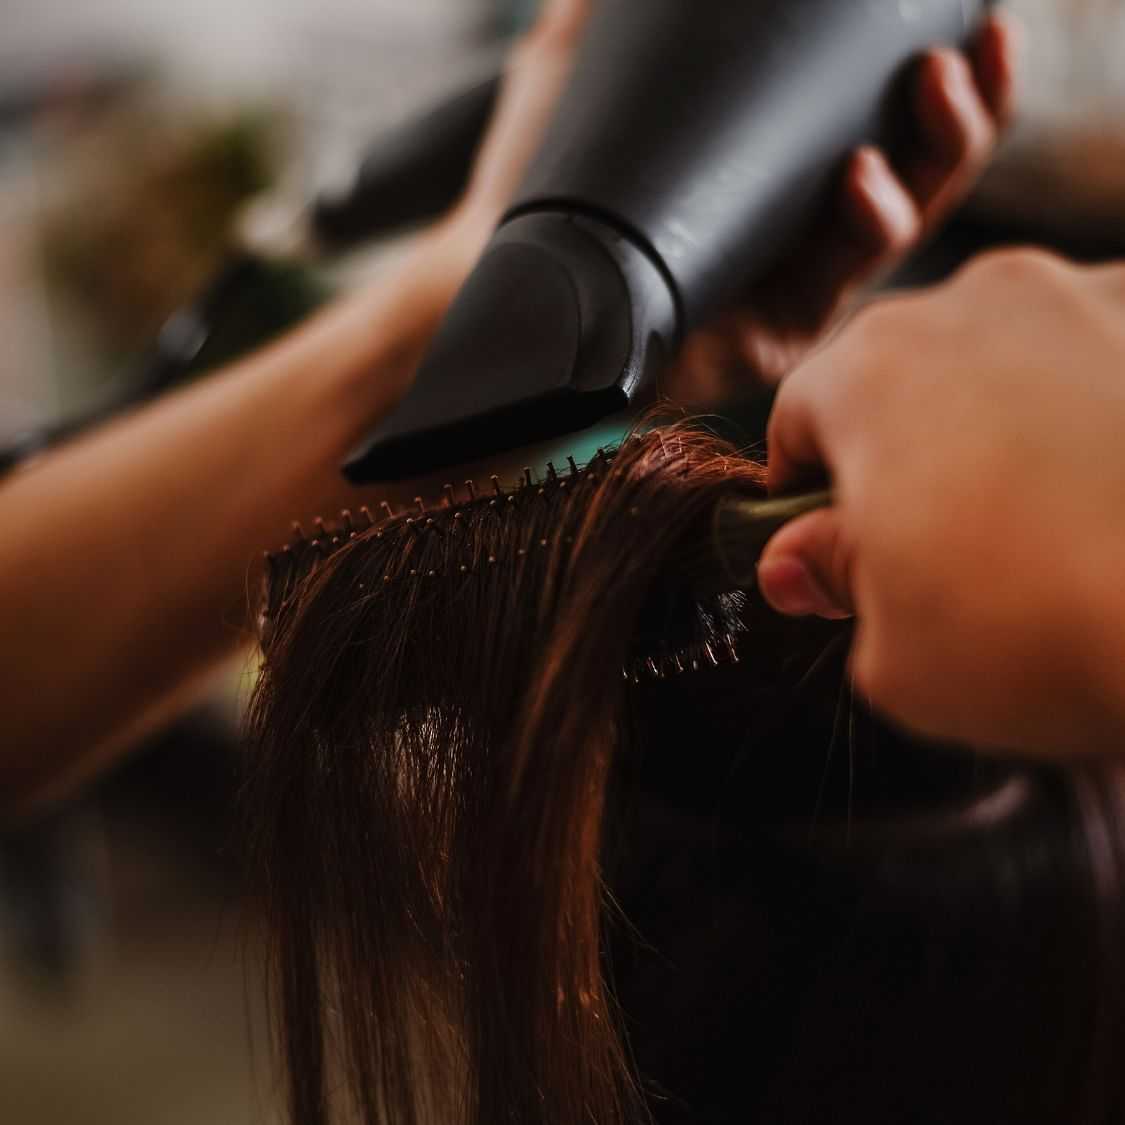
x=1015, y=265
x=868, y=321
x=793, y=401
x=877, y=327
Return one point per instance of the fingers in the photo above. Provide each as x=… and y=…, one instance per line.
x=881, y=223
x=962, y=101
x=875, y=223
x=996, y=62
x=805, y=570
x=795, y=446
x=956, y=128
x=878, y=206
x=960, y=107
x=814, y=418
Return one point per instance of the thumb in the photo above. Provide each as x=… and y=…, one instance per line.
x=805, y=570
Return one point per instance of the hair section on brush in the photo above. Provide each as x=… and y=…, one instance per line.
x=440, y=706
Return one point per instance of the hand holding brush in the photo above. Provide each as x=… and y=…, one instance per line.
x=973, y=437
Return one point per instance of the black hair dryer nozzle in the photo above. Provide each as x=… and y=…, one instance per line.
x=695, y=141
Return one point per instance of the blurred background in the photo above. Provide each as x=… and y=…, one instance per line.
x=142, y=145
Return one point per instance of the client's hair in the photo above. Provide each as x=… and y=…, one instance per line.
x=546, y=836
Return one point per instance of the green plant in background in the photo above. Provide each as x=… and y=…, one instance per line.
x=146, y=220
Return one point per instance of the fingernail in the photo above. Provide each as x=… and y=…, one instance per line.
x=792, y=589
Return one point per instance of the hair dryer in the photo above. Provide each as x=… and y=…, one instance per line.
x=694, y=142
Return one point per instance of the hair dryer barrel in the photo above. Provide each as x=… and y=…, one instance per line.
x=710, y=130
x=696, y=139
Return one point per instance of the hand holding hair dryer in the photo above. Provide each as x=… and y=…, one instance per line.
x=695, y=142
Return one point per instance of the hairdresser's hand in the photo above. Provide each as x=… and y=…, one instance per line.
x=975, y=437
x=961, y=105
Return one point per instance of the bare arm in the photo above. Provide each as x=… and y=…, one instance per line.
x=124, y=571
x=124, y=575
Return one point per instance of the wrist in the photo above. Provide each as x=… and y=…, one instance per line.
x=461, y=236
x=360, y=354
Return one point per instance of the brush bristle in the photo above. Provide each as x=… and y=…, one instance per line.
x=479, y=529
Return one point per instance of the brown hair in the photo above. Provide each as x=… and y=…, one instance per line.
x=481, y=791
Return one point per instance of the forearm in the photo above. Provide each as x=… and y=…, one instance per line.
x=124, y=576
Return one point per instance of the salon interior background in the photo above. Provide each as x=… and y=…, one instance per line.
x=134, y=134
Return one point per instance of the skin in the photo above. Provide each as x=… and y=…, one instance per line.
x=127, y=582
x=973, y=436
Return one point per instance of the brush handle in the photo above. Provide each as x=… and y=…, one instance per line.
x=742, y=528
